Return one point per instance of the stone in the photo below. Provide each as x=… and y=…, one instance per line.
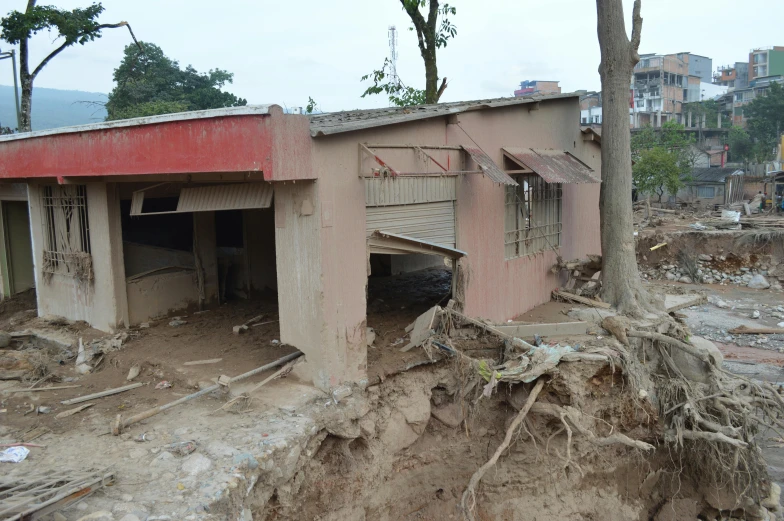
x=177, y=322
x=780, y=324
x=692, y=368
x=685, y=279
x=126, y=497
x=755, y=314
x=247, y=460
x=164, y=459
x=82, y=506
x=451, y=414
x=218, y=449
x=716, y=301
x=341, y=392
x=5, y=339
x=367, y=427
x=758, y=282
x=196, y=464
x=677, y=509
x=101, y=515
x=398, y=434
x=133, y=372
x=57, y=516
x=130, y=517
x=370, y=335
x=238, y=330
x=705, y=257
x=670, y=276
x=773, y=501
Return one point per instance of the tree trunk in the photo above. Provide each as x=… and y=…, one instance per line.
x=622, y=287
x=431, y=80
x=26, y=106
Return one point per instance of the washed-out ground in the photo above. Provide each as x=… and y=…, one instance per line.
x=402, y=448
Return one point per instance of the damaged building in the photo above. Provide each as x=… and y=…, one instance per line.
x=137, y=219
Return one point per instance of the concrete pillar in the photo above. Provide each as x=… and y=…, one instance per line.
x=688, y=125
x=718, y=122
x=658, y=119
x=206, y=249
x=102, y=303
x=322, y=274
x=704, y=121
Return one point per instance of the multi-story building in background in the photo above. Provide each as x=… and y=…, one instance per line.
x=529, y=87
x=766, y=61
x=732, y=76
x=663, y=83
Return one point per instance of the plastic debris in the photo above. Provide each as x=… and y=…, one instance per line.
x=182, y=448
x=14, y=454
x=163, y=384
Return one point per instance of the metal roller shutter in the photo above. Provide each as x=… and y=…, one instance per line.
x=432, y=222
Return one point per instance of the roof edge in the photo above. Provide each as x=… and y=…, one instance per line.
x=247, y=110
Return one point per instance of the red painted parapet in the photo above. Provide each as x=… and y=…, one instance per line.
x=242, y=139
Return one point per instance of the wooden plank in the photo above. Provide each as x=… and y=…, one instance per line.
x=53, y=388
x=676, y=302
x=549, y=330
x=422, y=327
x=743, y=330
x=71, y=412
x=581, y=300
x=203, y=362
x=101, y=394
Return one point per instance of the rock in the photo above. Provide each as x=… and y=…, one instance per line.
x=42, y=409
x=164, y=459
x=12, y=360
x=57, y=516
x=218, y=449
x=705, y=257
x=677, y=509
x=451, y=414
x=670, y=276
x=716, y=301
x=773, y=501
x=101, y=515
x=5, y=339
x=370, y=335
x=758, y=282
x=367, y=427
x=755, y=314
x=238, y=330
x=196, y=464
x=341, y=392
x=246, y=459
x=126, y=497
x=130, y=517
x=685, y=279
x=177, y=322
x=134, y=372
x=692, y=368
x=398, y=434
x=82, y=506
x=780, y=324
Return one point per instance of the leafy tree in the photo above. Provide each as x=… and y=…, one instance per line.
x=657, y=171
x=150, y=83
x=710, y=110
x=312, y=106
x=431, y=36
x=741, y=145
x=766, y=121
x=75, y=26
x=652, y=172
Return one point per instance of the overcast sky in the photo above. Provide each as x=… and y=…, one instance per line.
x=284, y=51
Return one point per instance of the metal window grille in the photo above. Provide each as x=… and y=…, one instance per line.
x=66, y=231
x=533, y=216
x=706, y=192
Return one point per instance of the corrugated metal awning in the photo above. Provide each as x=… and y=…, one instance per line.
x=237, y=196
x=554, y=166
x=488, y=167
x=392, y=243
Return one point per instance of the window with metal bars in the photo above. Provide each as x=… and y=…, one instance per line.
x=66, y=232
x=533, y=216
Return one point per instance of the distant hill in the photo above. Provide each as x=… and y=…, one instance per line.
x=54, y=108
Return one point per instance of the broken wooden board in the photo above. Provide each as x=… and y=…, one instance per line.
x=203, y=362
x=42, y=389
x=676, y=302
x=743, y=330
x=421, y=329
x=71, y=412
x=101, y=394
x=526, y=331
x=580, y=300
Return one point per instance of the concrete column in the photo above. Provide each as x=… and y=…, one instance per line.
x=704, y=121
x=718, y=122
x=321, y=264
x=659, y=119
x=207, y=251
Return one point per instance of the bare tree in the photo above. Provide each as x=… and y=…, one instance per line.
x=621, y=278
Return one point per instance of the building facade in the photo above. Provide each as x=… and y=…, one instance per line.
x=531, y=87
x=766, y=61
x=135, y=219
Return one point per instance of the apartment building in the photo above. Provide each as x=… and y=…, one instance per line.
x=530, y=87
x=766, y=61
x=732, y=76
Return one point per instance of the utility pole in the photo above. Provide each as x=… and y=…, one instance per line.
x=12, y=55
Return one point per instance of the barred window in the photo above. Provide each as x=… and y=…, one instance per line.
x=66, y=232
x=533, y=216
x=706, y=192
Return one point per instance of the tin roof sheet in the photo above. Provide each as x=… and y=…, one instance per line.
x=488, y=167
x=347, y=121
x=712, y=175
x=552, y=165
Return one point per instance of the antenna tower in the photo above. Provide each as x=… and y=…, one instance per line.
x=393, y=77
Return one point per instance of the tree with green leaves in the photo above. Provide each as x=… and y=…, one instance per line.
x=432, y=34
x=663, y=159
x=74, y=26
x=150, y=83
x=741, y=145
x=766, y=121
